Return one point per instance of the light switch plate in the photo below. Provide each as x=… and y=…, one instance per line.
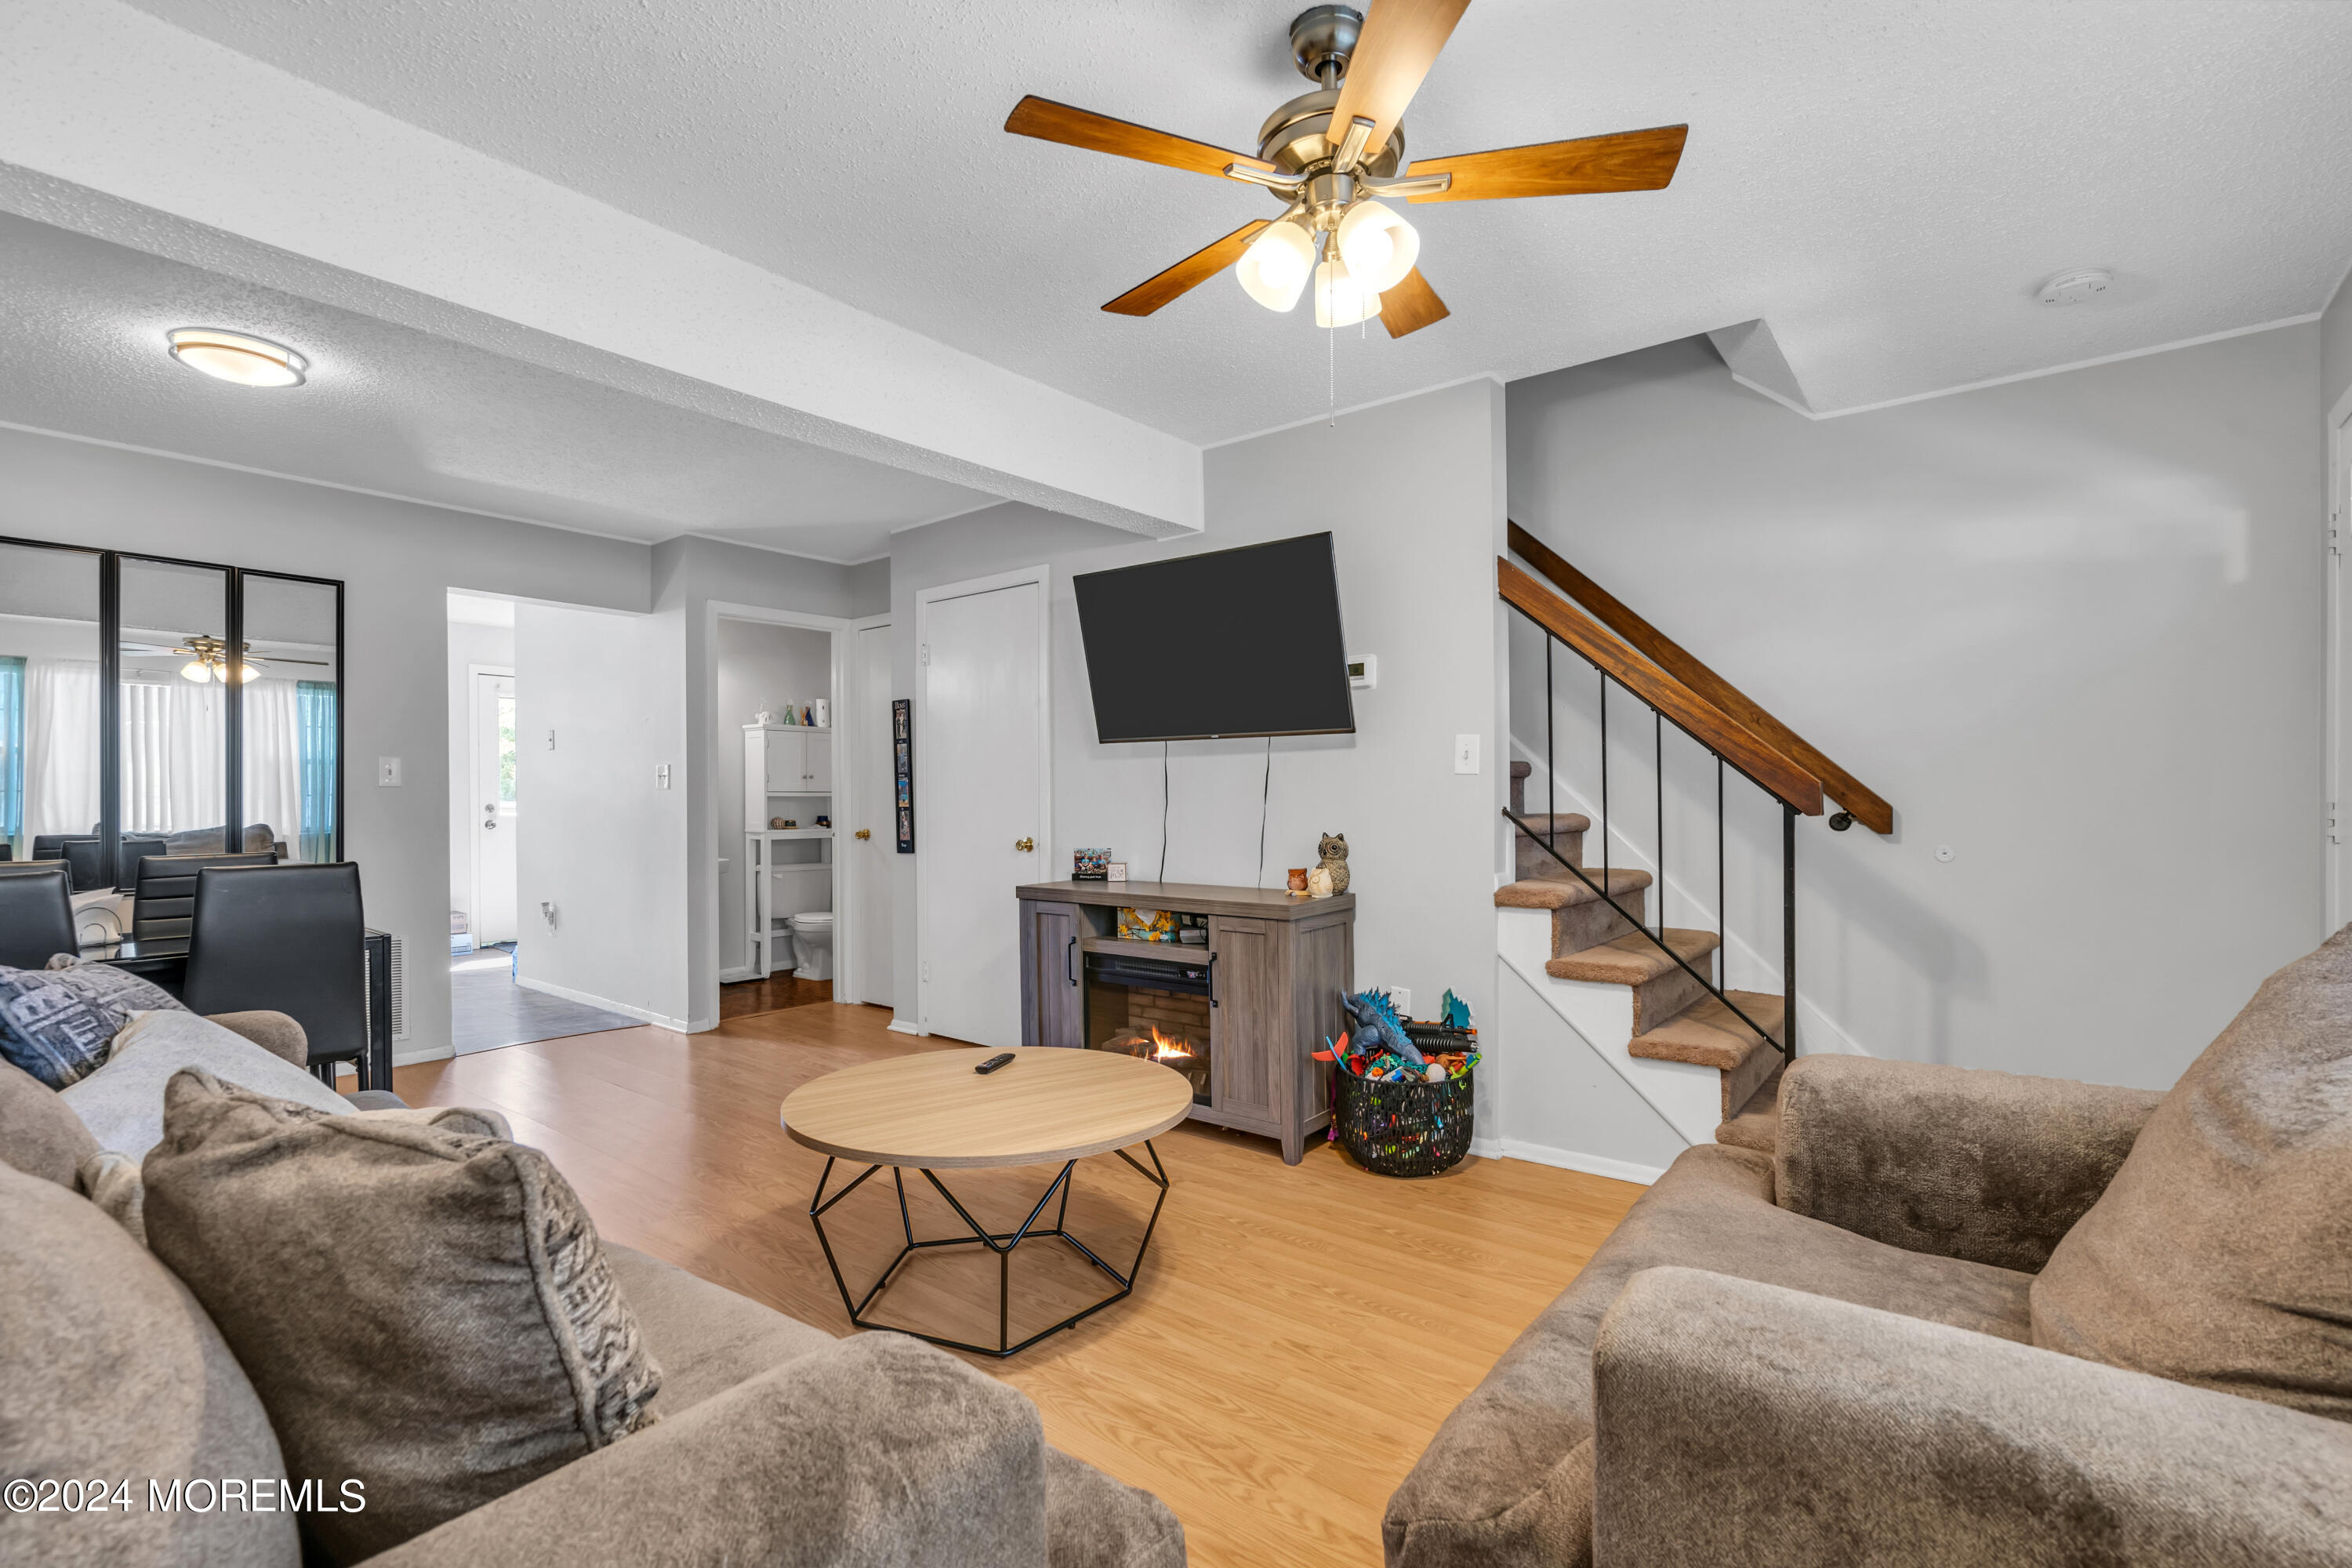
x=1466, y=753
x=387, y=771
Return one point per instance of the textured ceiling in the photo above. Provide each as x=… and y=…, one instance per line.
x=1885, y=184
x=404, y=413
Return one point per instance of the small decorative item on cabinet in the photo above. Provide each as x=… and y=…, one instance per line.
x=808, y=716
x=767, y=717
x=825, y=821
x=792, y=715
x=778, y=823
x=1089, y=864
x=823, y=713
x=1299, y=878
x=1117, y=872
x=1146, y=925
x=1318, y=883
x=1334, y=849
x=786, y=822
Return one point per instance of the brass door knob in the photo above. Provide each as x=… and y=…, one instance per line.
x=865, y=832
x=1024, y=844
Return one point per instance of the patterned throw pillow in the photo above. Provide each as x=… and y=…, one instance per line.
x=58, y=1024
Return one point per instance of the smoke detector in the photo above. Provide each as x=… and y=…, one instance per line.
x=2075, y=287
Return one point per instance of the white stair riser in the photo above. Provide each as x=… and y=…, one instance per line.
x=1689, y=1097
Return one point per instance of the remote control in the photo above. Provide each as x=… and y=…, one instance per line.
x=992, y=1063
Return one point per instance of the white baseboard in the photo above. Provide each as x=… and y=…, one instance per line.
x=642, y=1015
x=1567, y=1159
x=901, y=1027
x=742, y=972
x=415, y=1053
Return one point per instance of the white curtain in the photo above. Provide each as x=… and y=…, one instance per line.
x=173, y=739
x=172, y=734
x=273, y=759
x=60, y=745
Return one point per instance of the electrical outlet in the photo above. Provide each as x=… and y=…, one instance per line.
x=387, y=772
x=1402, y=997
x=1364, y=674
x=661, y=776
x=551, y=740
x=1466, y=753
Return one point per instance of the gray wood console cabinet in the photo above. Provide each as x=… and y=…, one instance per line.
x=1276, y=965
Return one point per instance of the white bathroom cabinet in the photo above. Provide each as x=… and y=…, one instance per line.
x=784, y=759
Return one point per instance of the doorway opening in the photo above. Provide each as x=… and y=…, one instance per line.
x=775, y=770
x=487, y=1008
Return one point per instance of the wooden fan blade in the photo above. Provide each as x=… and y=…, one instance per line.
x=1394, y=49
x=1411, y=304
x=1051, y=121
x=1628, y=161
x=1188, y=274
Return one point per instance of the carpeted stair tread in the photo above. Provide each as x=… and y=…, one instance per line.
x=1709, y=1036
x=1633, y=959
x=1559, y=821
x=1543, y=893
x=1757, y=1125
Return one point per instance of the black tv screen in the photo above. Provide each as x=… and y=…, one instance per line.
x=1233, y=642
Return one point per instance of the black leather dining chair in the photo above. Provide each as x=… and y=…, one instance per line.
x=82, y=853
x=164, y=890
x=36, y=916
x=288, y=939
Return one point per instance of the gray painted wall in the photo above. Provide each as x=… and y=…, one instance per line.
x=1416, y=542
x=398, y=560
x=2070, y=626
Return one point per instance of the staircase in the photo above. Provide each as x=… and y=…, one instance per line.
x=1675, y=1018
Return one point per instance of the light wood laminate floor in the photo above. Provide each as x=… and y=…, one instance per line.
x=1295, y=1337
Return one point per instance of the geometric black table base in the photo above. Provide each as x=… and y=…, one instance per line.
x=1002, y=1243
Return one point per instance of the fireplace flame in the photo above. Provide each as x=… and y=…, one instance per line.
x=1164, y=1047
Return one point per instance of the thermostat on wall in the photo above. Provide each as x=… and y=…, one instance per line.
x=1364, y=674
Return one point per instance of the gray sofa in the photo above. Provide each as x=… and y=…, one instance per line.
x=776, y=1443
x=1848, y=1351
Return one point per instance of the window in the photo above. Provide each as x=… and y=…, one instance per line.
x=12, y=749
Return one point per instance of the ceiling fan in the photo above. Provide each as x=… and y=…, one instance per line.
x=207, y=659
x=1331, y=155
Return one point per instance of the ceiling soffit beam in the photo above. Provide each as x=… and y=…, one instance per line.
x=117, y=125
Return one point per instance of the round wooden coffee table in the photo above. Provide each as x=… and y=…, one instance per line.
x=932, y=1113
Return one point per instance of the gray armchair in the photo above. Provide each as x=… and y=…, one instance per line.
x=1956, y=1318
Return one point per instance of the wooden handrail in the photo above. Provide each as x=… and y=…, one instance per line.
x=1843, y=787
x=1780, y=777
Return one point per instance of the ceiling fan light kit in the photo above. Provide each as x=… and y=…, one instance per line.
x=1334, y=155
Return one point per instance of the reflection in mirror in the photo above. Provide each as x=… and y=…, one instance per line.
x=291, y=696
x=48, y=703
x=174, y=715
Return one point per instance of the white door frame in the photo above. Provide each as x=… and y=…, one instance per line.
x=2335, y=535
x=474, y=777
x=841, y=650
x=848, y=962
x=1043, y=577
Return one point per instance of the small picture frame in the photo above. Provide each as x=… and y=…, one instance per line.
x=1116, y=871
x=1089, y=864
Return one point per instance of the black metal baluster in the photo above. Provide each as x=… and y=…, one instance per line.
x=1789, y=933
x=1551, y=775
x=1658, y=761
x=1607, y=890
x=1722, y=915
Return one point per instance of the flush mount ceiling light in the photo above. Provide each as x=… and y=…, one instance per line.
x=2073, y=288
x=1331, y=153
x=235, y=356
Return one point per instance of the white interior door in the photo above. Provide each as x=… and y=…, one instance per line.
x=493, y=776
x=979, y=816
x=873, y=846
x=2337, y=675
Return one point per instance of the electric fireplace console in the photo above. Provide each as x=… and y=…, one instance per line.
x=1238, y=1016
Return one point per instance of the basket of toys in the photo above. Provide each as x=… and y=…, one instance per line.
x=1401, y=1090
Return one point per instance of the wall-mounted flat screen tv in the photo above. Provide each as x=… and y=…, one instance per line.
x=1231, y=642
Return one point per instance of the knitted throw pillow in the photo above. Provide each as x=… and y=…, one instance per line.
x=58, y=1024
x=423, y=1309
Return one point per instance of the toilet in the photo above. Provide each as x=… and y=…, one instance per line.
x=813, y=945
